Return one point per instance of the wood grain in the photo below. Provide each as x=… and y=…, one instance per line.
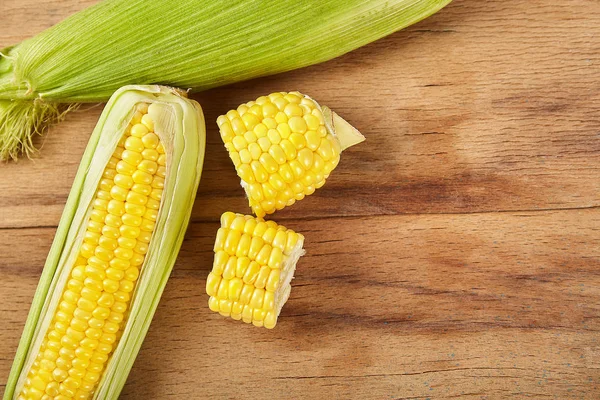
x=454, y=254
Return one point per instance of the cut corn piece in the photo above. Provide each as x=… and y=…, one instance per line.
x=253, y=267
x=284, y=146
x=104, y=274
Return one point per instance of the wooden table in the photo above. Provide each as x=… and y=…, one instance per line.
x=454, y=254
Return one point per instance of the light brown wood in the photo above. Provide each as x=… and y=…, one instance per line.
x=454, y=254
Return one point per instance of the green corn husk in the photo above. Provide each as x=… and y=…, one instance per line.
x=187, y=43
x=180, y=126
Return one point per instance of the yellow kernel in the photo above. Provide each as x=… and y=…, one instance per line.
x=91, y=237
x=251, y=272
x=141, y=248
x=254, y=150
x=239, y=143
x=124, y=181
x=268, y=162
x=150, y=141
x=243, y=245
x=59, y=374
x=151, y=215
x=237, y=223
x=221, y=120
x=132, y=220
x=137, y=131
x=85, y=305
x=313, y=140
x=212, y=283
x=142, y=177
x=325, y=149
x=136, y=198
x=278, y=154
x=109, y=173
x=280, y=103
x=261, y=278
x=276, y=258
x=286, y=173
x=225, y=307
x=148, y=166
x=289, y=149
x=213, y=304
x=231, y=241
x=298, y=140
x=269, y=110
x=239, y=128
x=277, y=182
x=153, y=204
x=293, y=110
x=263, y=255
x=156, y=194
x=250, y=120
x=227, y=218
x=272, y=283
x=246, y=294
x=252, y=137
x=223, y=290
x=245, y=156
x=297, y=124
x=259, y=172
x=264, y=143
x=293, y=97
x=122, y=295
x=132, y=157
x=254, y=191
x=150, y=154
x=235, y=289
x=227, y=132
x=241, y=266
x=305, y=157
x=268, y=301
x=256, y=301
x=312, y=122
x=147, y=121
x=274, y=136
x=119, y=307
x=279, y=240
x=270, y=123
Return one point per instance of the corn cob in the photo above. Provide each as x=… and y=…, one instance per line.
x=284, y=146
x=191, y=44
x=114, y=249
x=254, y=264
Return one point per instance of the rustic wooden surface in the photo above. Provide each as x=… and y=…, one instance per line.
x=454, y=254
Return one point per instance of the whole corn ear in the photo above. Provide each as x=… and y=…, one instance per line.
x=187, y=43
x=284, y=146
x=114, y=248
x=254, y=264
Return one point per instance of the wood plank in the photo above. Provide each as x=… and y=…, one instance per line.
x=503, y=305
x=483, y=107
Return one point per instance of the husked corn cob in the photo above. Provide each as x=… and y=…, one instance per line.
x=124, y=204
x=91, y=311
x=284, y=146
x=254, y=264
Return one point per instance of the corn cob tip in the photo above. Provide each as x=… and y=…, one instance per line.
x=284, y=146
x=253, y=266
